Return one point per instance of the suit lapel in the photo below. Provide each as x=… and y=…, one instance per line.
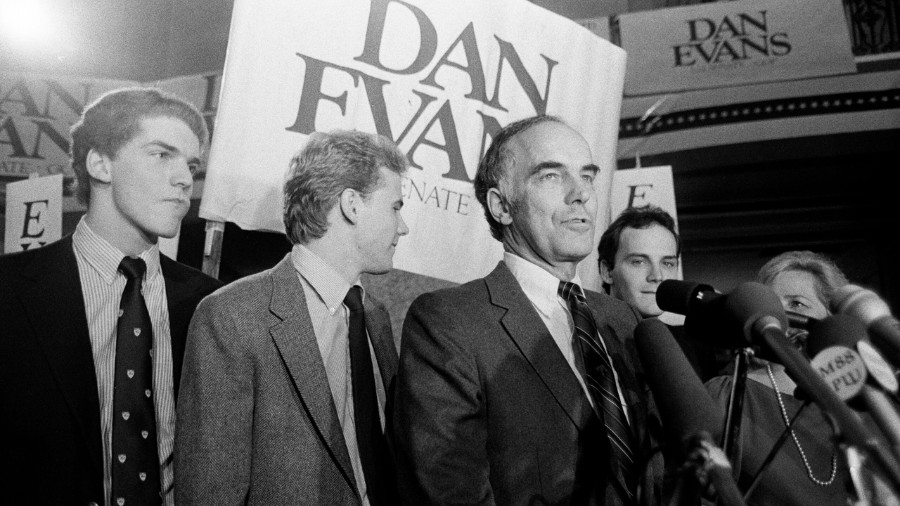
x=617, y=348
x=534, y=341
x=378, y=324
x=296, y=342
x=52, y=295
x=178, y=295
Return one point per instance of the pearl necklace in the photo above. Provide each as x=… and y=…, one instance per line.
x=787, y=423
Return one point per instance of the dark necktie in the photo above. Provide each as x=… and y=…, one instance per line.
x=135, y=471
x=601, y=384
x=370, y=440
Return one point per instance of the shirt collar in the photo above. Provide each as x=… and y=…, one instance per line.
x=324, y=280
x=105, y=258
x=541, y=287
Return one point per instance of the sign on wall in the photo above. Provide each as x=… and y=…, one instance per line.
x=33, y=213
x=640, y=187
x=733, y=43
x=35, y=115
x=438, y=78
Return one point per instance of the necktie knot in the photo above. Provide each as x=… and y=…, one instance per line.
x=353, y=299
x=570, y=292
x=133, y=268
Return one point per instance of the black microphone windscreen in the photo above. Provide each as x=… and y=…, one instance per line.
x=751, y=301
x=835, y=330
x=685, y=406
x=799, y=321
x=676, y=296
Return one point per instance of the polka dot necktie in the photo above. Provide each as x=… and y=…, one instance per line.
x=370, y=440
x=601, y=383
x=135, y=466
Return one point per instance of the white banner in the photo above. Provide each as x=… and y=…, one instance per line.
x=33, y=213
x=641, y=187
x=36, y=113
x=733, y=43
x=439, y=78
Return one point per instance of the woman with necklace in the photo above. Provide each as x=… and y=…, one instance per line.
x=807, y=470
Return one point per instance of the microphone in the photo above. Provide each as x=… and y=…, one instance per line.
x=769, y=330
x=686, y=408
x=723, y=320
x=756, y=311
x=707, y=318
x=680, y=297
x=685, y=405
x=799, y=321
x=874, y=313
x=845, y=359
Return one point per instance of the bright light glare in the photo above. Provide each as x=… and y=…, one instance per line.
x=28, y=23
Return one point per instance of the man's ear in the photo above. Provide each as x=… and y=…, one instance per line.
x=350, y=201
x=605, y=272
x=499, y=207
x=98, y=166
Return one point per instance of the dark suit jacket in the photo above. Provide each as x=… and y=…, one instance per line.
x=49, y=406
x=488, y=411
x=261, y=426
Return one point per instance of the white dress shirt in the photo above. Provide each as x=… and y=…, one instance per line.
x=102, y=285
x=325, y=290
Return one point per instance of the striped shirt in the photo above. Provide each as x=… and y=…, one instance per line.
x=102, y=286
x=325, y=290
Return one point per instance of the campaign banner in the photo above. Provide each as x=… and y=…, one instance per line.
x=643, y=186
x=734, y=43
x=437, y=78
x=36, y=113
x=33, y=213
x=199, y=90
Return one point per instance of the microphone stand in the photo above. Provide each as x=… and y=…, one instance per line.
x=867, y=488
x=851, y=428
x=706, y=471
x=731, y=437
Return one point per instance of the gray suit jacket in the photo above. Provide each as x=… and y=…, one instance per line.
x=487, y=410
x=256, y=423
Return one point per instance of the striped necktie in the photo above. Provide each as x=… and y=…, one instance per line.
x=601, y=384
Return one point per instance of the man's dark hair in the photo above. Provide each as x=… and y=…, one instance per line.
x=493, y=168
x=112, y=120
x=634, y=217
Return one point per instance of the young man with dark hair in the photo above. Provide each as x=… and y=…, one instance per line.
x=95, y=324
x=639, y=250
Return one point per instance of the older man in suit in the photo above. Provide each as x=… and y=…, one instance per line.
x=520, y=388
x=94, y=325
x=288, y=370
